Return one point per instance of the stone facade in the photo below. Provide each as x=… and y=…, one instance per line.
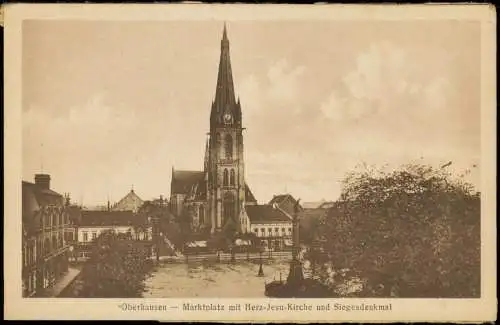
x=214, y=198
x=45, y=251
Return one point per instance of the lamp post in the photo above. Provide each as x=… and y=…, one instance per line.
x=261, y=271
x=156, y=232
x=231, y=249
x=295, y=276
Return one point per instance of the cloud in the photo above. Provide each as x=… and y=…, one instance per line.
x=284, y=82
x=277, y=92
x=383, y=81
x=383, y=110
x=90, y=132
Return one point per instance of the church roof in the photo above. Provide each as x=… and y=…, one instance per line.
x=184, y=180
x=266, y=213
x=249, y=195
x=131, y=201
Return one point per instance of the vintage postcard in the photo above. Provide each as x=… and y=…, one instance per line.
x=250, y=163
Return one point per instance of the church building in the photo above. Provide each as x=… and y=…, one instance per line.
x=215, y=198
x=130, y=202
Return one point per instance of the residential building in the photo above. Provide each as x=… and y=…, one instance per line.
x=44, y=249
x=131, y=225
x=272, y=225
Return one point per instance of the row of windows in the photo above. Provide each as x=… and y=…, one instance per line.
x=93, y=235
x=43, y=247
x=88, y=236
x=29, y=253
x=55, y=220
x=52, y=245
x=270, y=231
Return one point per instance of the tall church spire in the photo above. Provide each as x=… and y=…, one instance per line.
x=224, y=94
x=207, y=154
x=224, y=32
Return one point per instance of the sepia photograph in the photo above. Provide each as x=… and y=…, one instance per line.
x=252, y=158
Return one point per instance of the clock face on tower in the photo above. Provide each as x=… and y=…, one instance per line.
x=227, y=118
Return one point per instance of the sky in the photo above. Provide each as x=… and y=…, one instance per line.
x=108, y=106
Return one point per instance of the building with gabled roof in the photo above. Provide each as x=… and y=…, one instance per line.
x=286, y=202
x=92, y=223
x=130, y=202
x=271, y=224
x=215, y=197
x=44, y=248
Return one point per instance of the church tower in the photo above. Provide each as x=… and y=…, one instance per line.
x=224, y=166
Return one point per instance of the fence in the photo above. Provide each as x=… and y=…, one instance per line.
x=228, y=257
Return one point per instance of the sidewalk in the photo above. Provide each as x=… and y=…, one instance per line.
x=56, y=290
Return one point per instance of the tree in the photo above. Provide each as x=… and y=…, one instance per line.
x=309, y=226
x=414, y=232
x=161, y=217
x=116, y=269
x=230, y=231
x=217, y=241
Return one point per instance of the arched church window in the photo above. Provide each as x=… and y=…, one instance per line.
x=225, y=179
x=229, y=210
x=201, y=215
x=217, y=138
x=231, y=178
x=229, y=146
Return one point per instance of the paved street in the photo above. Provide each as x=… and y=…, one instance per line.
x=212, y=279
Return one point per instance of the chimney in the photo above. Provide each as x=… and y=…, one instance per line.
x=42, y=180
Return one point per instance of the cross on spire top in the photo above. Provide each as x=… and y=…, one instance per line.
x=224, y=32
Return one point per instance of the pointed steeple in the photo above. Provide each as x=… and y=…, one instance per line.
x=224, y=33
x=225, y=99
x=207, y=154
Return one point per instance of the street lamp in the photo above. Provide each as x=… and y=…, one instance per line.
x=157, y=235
x=231, y=248
x=261, y=271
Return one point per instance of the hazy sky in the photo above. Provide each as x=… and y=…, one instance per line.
x=119, y=103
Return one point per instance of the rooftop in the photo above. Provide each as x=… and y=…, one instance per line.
x=266, y=213
x=110, y=218
x=34, y=197
x=184, y=180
